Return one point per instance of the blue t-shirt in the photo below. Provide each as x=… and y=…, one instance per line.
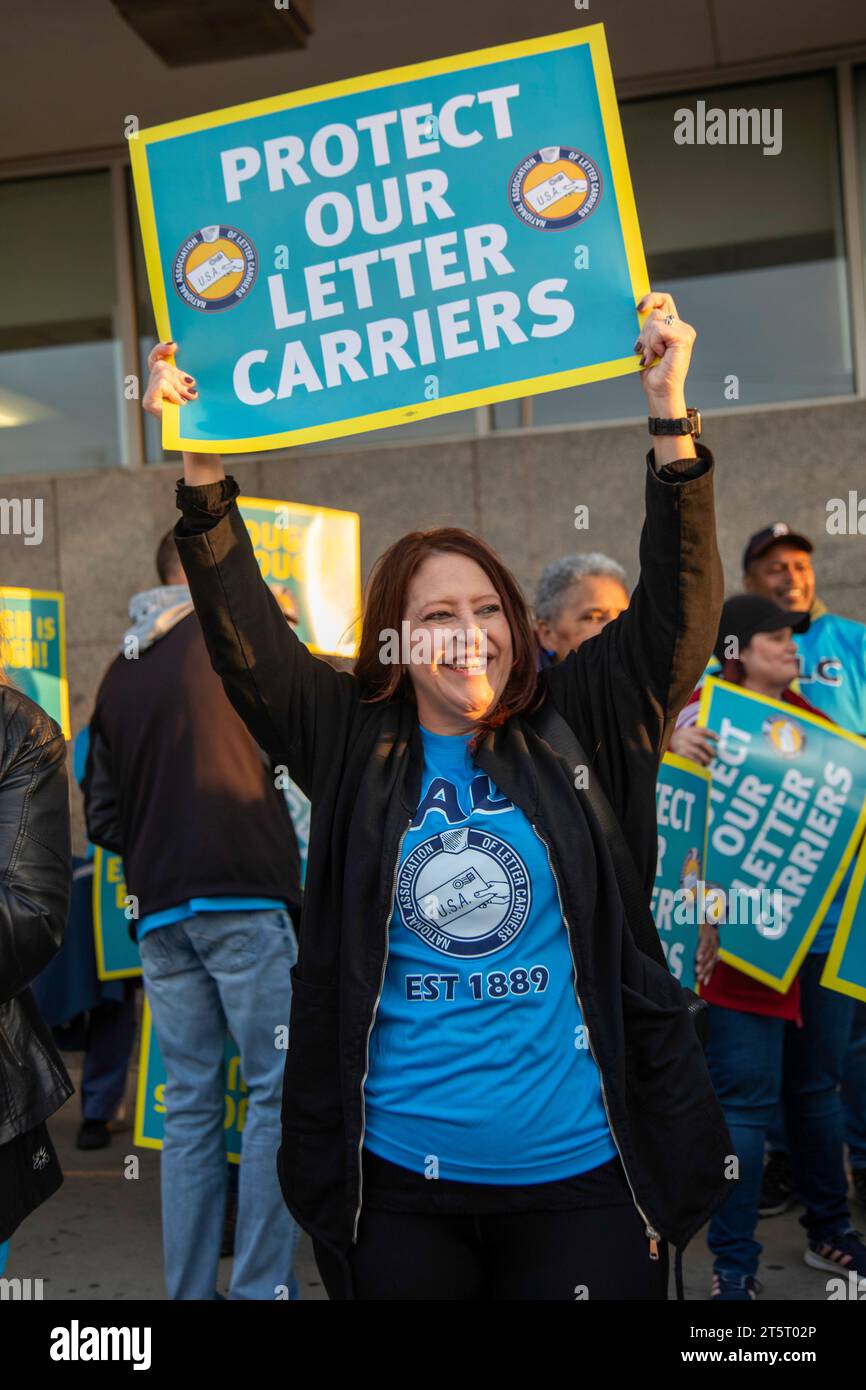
x=195, y=905
x=480, y=1069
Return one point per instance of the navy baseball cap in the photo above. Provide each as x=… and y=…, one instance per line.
x=762, y=540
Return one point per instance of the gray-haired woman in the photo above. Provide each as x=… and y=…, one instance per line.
x=576, y=597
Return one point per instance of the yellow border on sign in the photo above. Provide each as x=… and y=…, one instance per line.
x=783, y=983
x=138, y=1137
x=98, y=940
x=695, y=770
x=830, y=976
x=14, y=592
x=686, y=765
x=315, y=511
x=594, y=36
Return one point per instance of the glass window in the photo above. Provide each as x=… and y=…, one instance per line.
x=751, y=246
x=458, y=422
x=60, y=389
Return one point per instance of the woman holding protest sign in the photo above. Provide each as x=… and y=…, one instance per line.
x=753, y=1056
x=491, y=1092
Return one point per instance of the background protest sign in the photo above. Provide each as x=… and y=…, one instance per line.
x=117, y=955
x=394, y=246
x=33, y=648
x=787, y=808
x=150, y=1098
x=846, y=964
x=313, y=553
x=682, y=804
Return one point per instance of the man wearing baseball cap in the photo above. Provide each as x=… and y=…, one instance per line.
x=777, y=565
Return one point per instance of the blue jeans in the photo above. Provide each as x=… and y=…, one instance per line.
x=811, y=1081
x=854, y=1088
x=209, y=973
x=744, y=1055
x=108, y=1048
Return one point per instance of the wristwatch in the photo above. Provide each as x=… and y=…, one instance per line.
x=689, y=424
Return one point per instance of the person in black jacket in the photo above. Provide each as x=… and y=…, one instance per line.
x=35, y=881
x=490, y=1092
x=176, y=786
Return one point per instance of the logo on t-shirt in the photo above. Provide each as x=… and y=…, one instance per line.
x=465, y=892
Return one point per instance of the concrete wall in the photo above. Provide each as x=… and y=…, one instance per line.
x=519, y=491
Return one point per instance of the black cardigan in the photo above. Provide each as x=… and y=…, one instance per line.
x=361, y=765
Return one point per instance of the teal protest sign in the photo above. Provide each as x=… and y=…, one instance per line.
x=395, y=246
x=150, y=1099
x=682, y=803
x=117, y=955
x=787, y=809
x=33, y=648
x=846, y=964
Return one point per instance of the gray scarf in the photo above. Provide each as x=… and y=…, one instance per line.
x=155, y=612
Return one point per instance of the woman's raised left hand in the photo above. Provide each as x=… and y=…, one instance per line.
x=666, y=337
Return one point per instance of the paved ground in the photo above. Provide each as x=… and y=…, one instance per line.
x=99, y=1237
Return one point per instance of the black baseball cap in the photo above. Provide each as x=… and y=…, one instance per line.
x=747, y=614
x=762, y=540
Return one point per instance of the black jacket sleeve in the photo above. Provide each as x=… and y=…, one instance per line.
x=100, y=801
x=623, y=689
x=296, y=707
x=35, y=854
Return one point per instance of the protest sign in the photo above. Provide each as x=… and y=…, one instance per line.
x=845, y=969
x=312, y=554
x=33, y=648
x=787, y=808
x=117, y=955
x=682, y=803
x=150, y=1098
x=395, y=246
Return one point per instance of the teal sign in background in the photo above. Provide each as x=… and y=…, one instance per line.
x=786, y=809
x=845, y=969
x=117, y=955
x=682, y=798
x=558, y=105
x=32, y=639
x=150, y=1108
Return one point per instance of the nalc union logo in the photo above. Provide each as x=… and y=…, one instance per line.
x=555, y=187
x=215, y=268
x=465, y=892
x=784, y=736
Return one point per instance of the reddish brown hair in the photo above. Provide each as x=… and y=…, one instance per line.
x=385, y=607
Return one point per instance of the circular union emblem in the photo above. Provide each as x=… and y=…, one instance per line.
x=465, y=892
x=784, y=736
x=555, y=187
x=215, y=268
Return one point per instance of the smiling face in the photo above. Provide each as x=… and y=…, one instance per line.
x=588, y=606
x=783, y=573
x=770, y=662
x=453, y=601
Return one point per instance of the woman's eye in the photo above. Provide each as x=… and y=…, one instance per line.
x=490, y=608
x=435, y=617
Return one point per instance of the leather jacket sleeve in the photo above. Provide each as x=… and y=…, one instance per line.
x=35, y=855
x=100, y=803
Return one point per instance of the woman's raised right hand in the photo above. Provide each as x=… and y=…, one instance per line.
x=169, y=383
x=166, y=382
